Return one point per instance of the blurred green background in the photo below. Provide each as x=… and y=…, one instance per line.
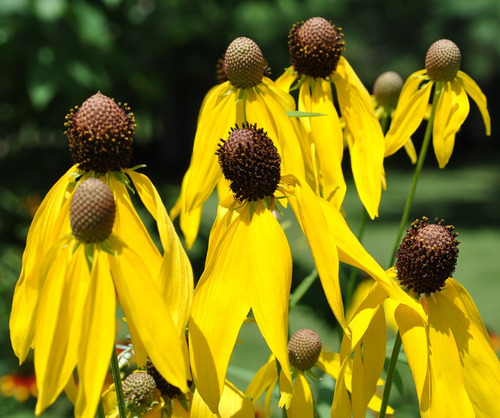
x=160, y=57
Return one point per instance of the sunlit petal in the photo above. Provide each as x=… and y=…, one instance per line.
x=97, y=337
x=302, y=405
x=285, y=80
x=266, y=377
x=478, y=96
x=451, y=111
x=233, y=404
x=409, y=113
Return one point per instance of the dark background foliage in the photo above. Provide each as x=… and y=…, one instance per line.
x=160, y=57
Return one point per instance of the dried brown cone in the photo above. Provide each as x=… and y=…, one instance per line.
x=167, y=390
x=443, y=60
x=244, y=63
x=304, y=349
x=92, y=211
x=250, y=161
x=100, y=134
x=315, y=47
x=427, y=256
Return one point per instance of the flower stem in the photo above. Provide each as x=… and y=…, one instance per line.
x=100, y=410
x=302, y=288
x=115, y=370
x=404, y=219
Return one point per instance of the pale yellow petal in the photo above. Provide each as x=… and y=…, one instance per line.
x=451, y=111
x=478, y=96
x=302, y=405
x=176, y=275
x=285, y=80
x=265, y=378
x=97, y=337
x=234, y=403
x=409, y=113
x=410, y=150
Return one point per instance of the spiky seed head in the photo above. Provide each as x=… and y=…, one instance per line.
x=100, y=134
x=251, y=162
x=167, y=390
x=92, y=211
x=427, y=256
x=315, y=47
x=304, y=349
x=387, y=88
x=139, y=390
x=244, y=63
x=443, y=60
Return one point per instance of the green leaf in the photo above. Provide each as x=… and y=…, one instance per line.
x=299, y=114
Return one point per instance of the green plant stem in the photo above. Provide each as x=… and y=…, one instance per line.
x=302, y=288
x=115, y=370
x=404, y=219
x=100, y=410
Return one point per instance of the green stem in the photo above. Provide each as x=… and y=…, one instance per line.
x=390, y=375
x=416, y=175
x=115, y=370
x=302, y=288
x=100, y=410
x=404, y=219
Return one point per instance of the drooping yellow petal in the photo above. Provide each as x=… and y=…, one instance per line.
x=176, y=275
x=451, y=111
x=302, y=405
x=269, y=288
x=59, y=318
x=341, y=406
x=478, y=96
x=215, y=317
x=142, y=301
x=44, y=230
x=410, y=150
x=285, y=80
x=448, y=396
x=325, y=132
x=217, y=116
x=481, y=367
x=265, y=379
x=97, y=332
x=410, y=111
x=367, y=150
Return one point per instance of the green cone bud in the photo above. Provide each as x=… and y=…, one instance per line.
x=244, y=63
x=139, y=390
x=387, y=88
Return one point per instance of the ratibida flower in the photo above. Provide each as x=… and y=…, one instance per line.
x=316, y=48
x=442, y=73
x=249, y=265
x=69, y=277
x=305, y=352
x=246, y=95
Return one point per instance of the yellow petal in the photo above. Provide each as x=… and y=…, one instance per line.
x=285, y=80
x=410, y=150
x=97, y=337
x=302, y=405
x=329, y=363
x=409, y=113
x=477, y=95
x=451, y=111
x=265, y=378
x=141, y=300
x=481, y=367
x=448, y=396
x=176, y=275
x=59, y=319
x=367, y=150
x=341, y=406
x=217, y=116
x=325, y=133
x=44, y=231
x=224, y=281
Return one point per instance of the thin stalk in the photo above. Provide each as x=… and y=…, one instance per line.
x=100, y=410
x=302, y=288
x=404, y=219
x=115, y=370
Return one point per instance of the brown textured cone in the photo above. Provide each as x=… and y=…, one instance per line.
x=315, y=47
x=387, y=88
x=167, y=390
x=244, y=63
x=304, y=349
x=100, y=134
x=443, y=60
x=427, y=256
x=92, y=211
x=139, y=390
x=250, y=161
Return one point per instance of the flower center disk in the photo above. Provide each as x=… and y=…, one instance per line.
x=443, y=60
x=244, y=63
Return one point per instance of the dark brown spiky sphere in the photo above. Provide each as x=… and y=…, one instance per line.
x=386, y=89
x=244, y=63
x=167, y=390
x=92, y=211
x=304, y=349
x=315, y=47
x=139, y=390
x=100, y=134
x=250, y=161
x=443, y=60
x=427, y=256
